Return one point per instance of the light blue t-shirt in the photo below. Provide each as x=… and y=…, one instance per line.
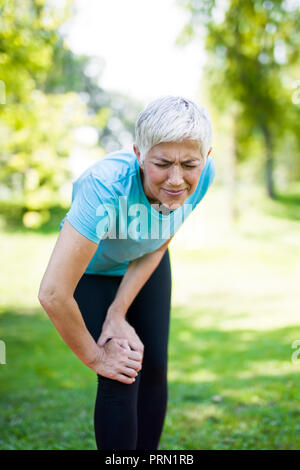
x=109, y=207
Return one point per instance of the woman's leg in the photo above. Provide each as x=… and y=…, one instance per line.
x=115, y=413
x=149, y=314
x=130, y=416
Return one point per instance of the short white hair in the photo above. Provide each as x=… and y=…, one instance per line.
x=173, y=119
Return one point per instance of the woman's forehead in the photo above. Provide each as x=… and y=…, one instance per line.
x=183, y=149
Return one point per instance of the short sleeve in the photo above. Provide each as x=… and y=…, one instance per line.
x=87, y=213
x=206, y=178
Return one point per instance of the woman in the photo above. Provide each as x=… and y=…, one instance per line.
x=107, y=287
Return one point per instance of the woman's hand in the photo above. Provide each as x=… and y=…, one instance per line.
x=117, y=361
x=116, y=326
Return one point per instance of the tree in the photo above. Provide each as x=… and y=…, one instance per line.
x=49, y=92
x=253, y=47
x=32, y=146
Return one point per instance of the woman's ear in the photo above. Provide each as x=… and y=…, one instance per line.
x=136, y=150
x=138, y=155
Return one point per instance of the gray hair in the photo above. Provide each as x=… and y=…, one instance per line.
x=172, y=119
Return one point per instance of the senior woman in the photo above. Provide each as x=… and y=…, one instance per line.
x=107, y=286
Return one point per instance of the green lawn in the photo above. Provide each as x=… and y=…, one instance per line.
x=235, y=315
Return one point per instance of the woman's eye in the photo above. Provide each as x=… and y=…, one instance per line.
x=167, y=164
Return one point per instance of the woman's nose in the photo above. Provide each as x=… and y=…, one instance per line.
x=175, y=177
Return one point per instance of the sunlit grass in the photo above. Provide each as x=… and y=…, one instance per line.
x=235, y=316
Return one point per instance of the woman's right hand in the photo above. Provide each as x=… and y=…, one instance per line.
x=116, y=360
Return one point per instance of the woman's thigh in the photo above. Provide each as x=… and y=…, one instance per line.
x=94, y=294
x=149, y=312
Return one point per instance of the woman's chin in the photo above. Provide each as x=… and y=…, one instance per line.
x=172, y=205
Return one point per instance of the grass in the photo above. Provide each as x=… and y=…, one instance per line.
x=235, y=315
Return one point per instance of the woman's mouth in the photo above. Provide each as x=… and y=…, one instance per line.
x=173, y=193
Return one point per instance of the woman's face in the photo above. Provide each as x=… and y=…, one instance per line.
x=171, y=171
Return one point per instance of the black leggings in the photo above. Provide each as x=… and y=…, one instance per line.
x=131, y=416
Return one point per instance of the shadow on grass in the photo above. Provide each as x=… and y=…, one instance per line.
x=227, y=389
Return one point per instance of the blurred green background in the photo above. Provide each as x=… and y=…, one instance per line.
x=233, y=363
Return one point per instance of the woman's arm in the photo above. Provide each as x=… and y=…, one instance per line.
x=138, y=272
x=71, y=255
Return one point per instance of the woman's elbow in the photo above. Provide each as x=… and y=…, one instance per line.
x=49, y=298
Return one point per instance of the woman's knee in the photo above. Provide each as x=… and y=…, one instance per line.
x=116, y=389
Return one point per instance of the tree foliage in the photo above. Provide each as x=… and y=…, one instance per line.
x=253, y=55
x=33, y=147
x=47, y=93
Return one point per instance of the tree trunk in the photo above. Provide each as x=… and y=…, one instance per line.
x=269, y=162
x=232, y=174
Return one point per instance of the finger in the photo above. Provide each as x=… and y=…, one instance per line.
x=134, y=365
x=128, y=371
x=124, y=344
x=135, y=355
x=135, y=346
x=124, y=379
x=102, y=340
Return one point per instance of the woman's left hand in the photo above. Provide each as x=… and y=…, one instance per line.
x=117, y=326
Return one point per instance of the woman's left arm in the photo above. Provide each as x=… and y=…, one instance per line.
x=137, y=273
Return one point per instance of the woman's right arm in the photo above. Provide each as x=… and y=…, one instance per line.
x=70, y=257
